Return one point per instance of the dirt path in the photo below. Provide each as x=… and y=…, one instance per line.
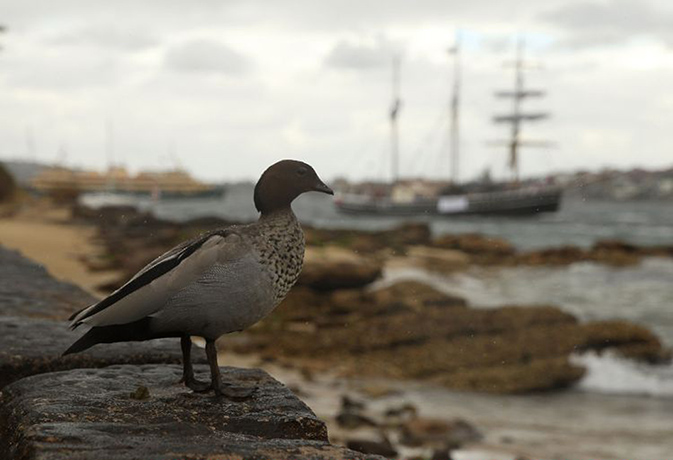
x=46, y=236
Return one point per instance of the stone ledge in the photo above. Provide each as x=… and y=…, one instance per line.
x=27, y=289
x=34, y=346
x=85, y=411
x=90, y=414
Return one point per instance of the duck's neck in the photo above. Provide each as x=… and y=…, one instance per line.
x=284, y=211
x=281, y=213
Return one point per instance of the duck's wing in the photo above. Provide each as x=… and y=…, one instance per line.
x=152, y=286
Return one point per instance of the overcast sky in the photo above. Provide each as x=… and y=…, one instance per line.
x=225, y=88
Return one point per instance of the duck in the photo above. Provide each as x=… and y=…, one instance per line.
x=222, y=281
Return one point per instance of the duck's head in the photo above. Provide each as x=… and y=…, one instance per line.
x=284, y=181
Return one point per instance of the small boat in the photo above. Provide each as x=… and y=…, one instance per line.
x=452, y=198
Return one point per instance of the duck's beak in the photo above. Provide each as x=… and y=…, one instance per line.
x=322, y=188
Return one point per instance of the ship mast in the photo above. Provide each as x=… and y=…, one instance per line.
x=454, y=147
x=517, y=116
x=394, y=112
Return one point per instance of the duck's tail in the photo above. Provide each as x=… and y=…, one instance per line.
x=131, y=332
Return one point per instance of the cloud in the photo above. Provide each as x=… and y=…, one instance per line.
x=592, y=23
x=207, y=56
x=498, y=43
x=317, y=80
x=361, y=55
x=106, y=36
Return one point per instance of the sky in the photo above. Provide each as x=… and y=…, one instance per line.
x=224, y=88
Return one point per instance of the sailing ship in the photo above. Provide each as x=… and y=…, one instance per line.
x=411, y=198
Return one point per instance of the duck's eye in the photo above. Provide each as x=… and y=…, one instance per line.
x=301, y=171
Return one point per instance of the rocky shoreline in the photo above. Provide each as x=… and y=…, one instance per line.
x=336, y=322
x=334, y=319
x=133, y=238
x=124, y=401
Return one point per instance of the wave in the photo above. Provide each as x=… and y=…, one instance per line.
x=610, y=374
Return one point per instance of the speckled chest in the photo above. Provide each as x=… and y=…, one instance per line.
x=279, y=243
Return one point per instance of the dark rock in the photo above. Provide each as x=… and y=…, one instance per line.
x=609, y=252
x=332, y=268
x=614, y=245
x=87, y=414
x=384, y=333
x=352, y=404
x=628, y=339
x=522, y=376
x=376, y=390
x=353, y=420
x=440, y=434
x=411, y=331
x=370, y=242
x=563, y=255
x=403, y=412
x=26, y=289
x=415, y=294
x=298, y=391
x=371, y=447
x=300, y=304
x=341, y=305
x=8, y=186
x=437, y=259
x=142, y=392
x=441, y=454
x=411, y=233
x=476, y=245
x=34, y=346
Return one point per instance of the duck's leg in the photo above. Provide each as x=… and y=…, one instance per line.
x=187, y=369
x=229, y=391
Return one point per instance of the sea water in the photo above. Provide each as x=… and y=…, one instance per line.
x=578, y=222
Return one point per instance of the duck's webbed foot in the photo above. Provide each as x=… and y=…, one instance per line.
x=226, y=390
x=198, y=386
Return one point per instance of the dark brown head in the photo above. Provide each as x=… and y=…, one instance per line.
x=284, y=181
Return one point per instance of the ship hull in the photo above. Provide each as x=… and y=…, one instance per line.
x=505, y=203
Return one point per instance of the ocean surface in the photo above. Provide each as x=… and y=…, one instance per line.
x=621, y=409
x=578, y=222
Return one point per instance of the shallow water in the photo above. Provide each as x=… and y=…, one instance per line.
x=571, y=425
x=642, y=293
x=578, y=222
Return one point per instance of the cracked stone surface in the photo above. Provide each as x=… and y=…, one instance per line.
x=91, y=414
x=34, y=346
x=27, y=289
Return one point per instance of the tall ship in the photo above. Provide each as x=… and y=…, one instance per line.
x=450, y=197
